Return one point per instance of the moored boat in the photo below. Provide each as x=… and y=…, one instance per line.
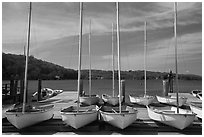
x=172, y=100
x=46, y=93
x=169, y=116
x=79, y=117
x=199, y=95
x=196, y=107
x=32, y=115
x=146, y=99
x=76, y=116
x=195, y=92
x=143, y=100
x=112, y=100
x=122, y=119
x=24, y=116
x=6, y=108
x=173, y=116
x=89, y=99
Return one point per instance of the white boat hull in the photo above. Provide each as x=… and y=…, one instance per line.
x=197, y=109
x=141, y=100
x=20, y=120
x=168, y=116
x=5, y=108
x=195, y=92
x=111, y=100
x=79, y=119
x=46, y=93
x=119, y=120
x=89, y=100
x=199, y=95
x=171, y=100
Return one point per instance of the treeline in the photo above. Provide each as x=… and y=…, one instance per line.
x=136, y=75
x=13, y=66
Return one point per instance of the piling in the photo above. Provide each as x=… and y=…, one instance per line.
x=170, y=78
x=12, y=87
x=21, y=90
x=39, y=89
x=15, y=88
x=123, y=90
x=165, y=87
x=81, y=92
x=171, y=86
x=12, y=90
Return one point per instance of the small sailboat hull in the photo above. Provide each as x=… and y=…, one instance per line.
x=195, y=92
x=46, y=93
x=171, y=100
x=30, y=117
x=168, y=116
x=89, y=100
x=141, y=100
x=119, y=120
x=79, y=119
x=196, y=107
x=5, y=108
x=199, y=95
x=111, y=100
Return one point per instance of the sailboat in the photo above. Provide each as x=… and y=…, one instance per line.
x=89, y=99
x=120, y=117
x=196, y=107
x=143, y=100
x=173, y=116
x=28, y=115
x=76, y=116
x=112, y=100
x=195, y=92
x=199, y=95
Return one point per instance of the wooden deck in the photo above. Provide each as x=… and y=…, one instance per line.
x=142, y=126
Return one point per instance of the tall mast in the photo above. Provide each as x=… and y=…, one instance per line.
x=79, y=62
x=90, y=58
x=26, y=63
x=113, y=78
x=118, y=43
x=176, y=67
x=145, y=52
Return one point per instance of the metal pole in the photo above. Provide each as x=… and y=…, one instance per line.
x=145, y=52
x=90, y=59
x=79, y=62
x=176, y=67
x=26, y=64
x=118, y=43
x=113, y=77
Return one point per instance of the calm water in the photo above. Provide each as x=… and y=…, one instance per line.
x=136, y=87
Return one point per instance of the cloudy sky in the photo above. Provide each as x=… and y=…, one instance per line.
x=55, y=29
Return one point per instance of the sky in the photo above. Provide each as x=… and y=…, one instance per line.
x=55, y=30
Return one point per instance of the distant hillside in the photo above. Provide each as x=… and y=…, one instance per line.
x=13, y=65
x=135, y=75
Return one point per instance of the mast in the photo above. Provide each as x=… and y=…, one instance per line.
x=26, y=63
x=90, y=59
x=145, y=52
x=176, y=67
x=118, y=43
x=79, y=61
x=113, y=77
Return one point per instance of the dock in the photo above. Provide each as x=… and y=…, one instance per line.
x=142, y=126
